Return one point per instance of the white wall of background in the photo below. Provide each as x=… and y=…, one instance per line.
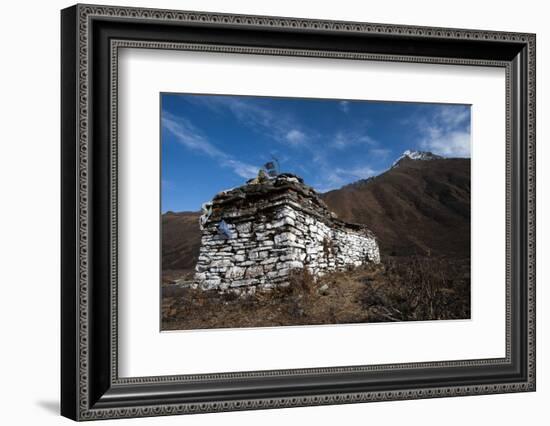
x=29, y=212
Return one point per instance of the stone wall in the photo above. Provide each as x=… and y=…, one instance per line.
x=274, y=229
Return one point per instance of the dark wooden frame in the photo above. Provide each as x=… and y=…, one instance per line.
x=90, y=386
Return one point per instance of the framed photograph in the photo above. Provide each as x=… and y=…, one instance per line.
x=263, y=212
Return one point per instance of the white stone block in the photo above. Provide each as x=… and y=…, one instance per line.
x=235, y=272
x=244, y=227
x=254, y=271
x=283, y=237
x=221, y=263
x=282, y=272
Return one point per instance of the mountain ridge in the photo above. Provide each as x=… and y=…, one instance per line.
x=420, y=205
x=416, y=155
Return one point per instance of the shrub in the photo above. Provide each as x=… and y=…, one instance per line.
x=418, y=288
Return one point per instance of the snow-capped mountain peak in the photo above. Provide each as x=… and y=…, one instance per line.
x=416, y=155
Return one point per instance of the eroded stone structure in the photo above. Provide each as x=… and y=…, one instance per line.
x=254, y=236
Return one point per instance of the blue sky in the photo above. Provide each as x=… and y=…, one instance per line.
x=211, y=143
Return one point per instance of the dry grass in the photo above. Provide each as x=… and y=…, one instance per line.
x=402, y=289
x=419, y=288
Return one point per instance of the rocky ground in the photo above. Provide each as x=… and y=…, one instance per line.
x=412, y=288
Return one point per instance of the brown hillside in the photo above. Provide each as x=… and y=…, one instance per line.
x=420, y=207
x=181, y=240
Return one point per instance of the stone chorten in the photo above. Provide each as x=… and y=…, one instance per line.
x=253, y=236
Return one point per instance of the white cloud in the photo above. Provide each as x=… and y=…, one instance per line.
x=453, y=115
x=344, y=106
x=362, y=172
x=340, y=140
x=167, y=184
x=192, y=138
x=447, y=133
x=188, y=135
x=295, y=136
x=447, y=143
x=276, y=125
x=244, y=170
x=345, y=139
x=336, y=178
x=380, y=152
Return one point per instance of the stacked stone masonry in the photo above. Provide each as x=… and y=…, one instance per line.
x=273, y=228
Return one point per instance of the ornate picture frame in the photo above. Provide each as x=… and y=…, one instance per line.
x=91, y=37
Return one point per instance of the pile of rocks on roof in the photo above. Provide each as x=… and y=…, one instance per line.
x=263, y=192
